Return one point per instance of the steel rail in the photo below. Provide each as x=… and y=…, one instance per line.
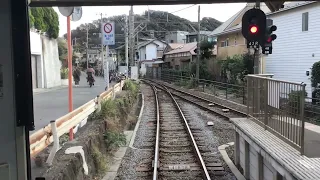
x=198, y=97
x=156, y=154
x=194, y=144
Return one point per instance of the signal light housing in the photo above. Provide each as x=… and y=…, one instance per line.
x=254, y=26
x=269, y=37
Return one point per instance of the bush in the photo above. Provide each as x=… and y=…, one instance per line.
x=295, y=101
x=64, y=73
x=114, y=139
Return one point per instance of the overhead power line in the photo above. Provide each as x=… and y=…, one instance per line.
x=182, y=9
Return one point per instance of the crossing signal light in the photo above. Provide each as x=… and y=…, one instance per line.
x=254, y=26
x=269, y=37
x=254, y=29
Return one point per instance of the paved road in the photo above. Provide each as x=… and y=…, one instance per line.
x=53, y=104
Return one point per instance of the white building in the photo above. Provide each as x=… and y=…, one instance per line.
x=44, y=61
x=149, y=53
x=296, y=48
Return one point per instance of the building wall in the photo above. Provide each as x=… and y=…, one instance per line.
x=51, y=62
x=151, y=51
x=178, y=62
x=294, y=50
x=37, y=60
x=236, y=45
x=177, y=37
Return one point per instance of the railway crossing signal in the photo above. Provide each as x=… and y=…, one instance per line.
x=254, y=27
x=269, y=37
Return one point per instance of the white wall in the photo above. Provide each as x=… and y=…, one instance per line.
x=35, y=43
x=51, y=62
x=151, y=51
x=294, y=50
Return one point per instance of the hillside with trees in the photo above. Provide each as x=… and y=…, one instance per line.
x=45, y=19
x=159, y=21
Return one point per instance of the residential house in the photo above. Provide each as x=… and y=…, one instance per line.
x=182, y=56
x=204, y=36
x=176, y=37
x=149, y=53
x=230, y=41
x=295, y=50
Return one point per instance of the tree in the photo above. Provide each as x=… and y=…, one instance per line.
x=31, y=20
x=46, y=20
x=62, y=49
x=158, y=23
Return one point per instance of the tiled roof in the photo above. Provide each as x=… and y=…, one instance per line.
x=201, y=32
x=175, y=45
x=189, y=47
x=226, y=26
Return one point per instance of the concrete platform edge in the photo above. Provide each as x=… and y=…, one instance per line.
x=229, y=162
x=137, y=124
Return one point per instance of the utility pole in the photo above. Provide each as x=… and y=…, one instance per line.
x=126, y=41
x=101, y=55
x=131, y=38
x=87, y=46
x=198, y=47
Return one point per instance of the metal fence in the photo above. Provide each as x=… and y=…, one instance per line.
x=279, y=107
x=232, y=92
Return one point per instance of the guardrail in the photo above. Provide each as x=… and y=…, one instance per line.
x=279, y=107
x=78, y=117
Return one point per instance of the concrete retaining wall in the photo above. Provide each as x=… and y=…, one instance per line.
x=51, y=62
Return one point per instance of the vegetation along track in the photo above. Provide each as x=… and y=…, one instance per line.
x=179, y=156
x=219, y=109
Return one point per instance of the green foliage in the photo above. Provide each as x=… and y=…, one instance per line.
x=175, y=23
x=62, y=49
x=64, y=73
x=31, y=19
x=114, y=139
x=46, y=20
x=295, y=101
x=237, y=67
x=132, y=87
x=315, y=74
x=206, y=48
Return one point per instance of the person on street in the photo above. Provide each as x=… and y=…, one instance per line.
x=76, y=75
x=90, y=73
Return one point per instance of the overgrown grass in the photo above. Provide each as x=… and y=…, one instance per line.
x=114, y=139
x=115, y=113
x=99, y=160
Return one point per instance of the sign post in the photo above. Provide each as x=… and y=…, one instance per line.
x=108, y=38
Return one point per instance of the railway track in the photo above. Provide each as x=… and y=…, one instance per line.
x=219, y=109
x=180, y=151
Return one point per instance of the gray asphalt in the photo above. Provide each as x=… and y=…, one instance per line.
x=50, y=105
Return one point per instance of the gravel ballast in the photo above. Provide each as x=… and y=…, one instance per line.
x=143, y=151
x=220, y=133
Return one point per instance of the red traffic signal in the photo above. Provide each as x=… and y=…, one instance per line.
x=271, y=38
x=254, y=29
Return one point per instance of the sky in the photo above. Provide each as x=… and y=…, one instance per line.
x=221, y=12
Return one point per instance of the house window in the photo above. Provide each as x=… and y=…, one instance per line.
x=171, y=41
x=235, y=41
x=226, y=43
x=222, y=44
x=305, y=21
